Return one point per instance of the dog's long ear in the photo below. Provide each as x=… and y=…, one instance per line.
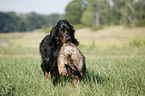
x=52, y=35
x=74, y=40
x=53, y=31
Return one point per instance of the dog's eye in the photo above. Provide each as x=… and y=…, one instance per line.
x=68, y=28
x=60, y=29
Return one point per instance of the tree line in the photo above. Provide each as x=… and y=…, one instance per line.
x=106, y=12
x=12, y=22
x=92, y=13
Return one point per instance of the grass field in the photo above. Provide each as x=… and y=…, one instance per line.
x=115, y=60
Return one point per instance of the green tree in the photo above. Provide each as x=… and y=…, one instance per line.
x=140, y=12
x=102, y=12
x=52, y=19
x=92, y=14
x=10, y=22
x=127, y=11
x=74, y=10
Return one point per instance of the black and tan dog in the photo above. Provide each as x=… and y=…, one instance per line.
x=63, y=32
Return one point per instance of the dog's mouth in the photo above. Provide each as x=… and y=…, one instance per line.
x=62, y=39
x=65, y=40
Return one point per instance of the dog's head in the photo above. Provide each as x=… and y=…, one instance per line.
x=64, y=32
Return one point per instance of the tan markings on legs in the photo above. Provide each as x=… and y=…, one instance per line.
x=73, y=82
x=46, y=75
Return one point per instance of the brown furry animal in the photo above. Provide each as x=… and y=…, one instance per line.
x=71, y=61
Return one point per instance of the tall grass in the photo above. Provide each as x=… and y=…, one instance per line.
x=105, y=76
x=113, y=68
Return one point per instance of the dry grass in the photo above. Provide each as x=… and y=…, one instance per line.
x=113, y=34
x=115, y=58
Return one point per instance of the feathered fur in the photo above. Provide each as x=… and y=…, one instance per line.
x=63, y=32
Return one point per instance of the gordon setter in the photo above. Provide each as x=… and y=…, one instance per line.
x=62, y=32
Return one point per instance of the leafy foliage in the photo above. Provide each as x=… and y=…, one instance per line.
x=106, y=12
x=11, y=22
x=74, y=11
x=91, y=13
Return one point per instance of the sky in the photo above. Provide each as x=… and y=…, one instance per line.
x=38, y=6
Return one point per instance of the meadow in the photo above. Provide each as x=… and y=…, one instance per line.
x=115, y=60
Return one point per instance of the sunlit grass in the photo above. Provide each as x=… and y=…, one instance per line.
x=110, y=76
x=112, y=35
x=114, y=59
